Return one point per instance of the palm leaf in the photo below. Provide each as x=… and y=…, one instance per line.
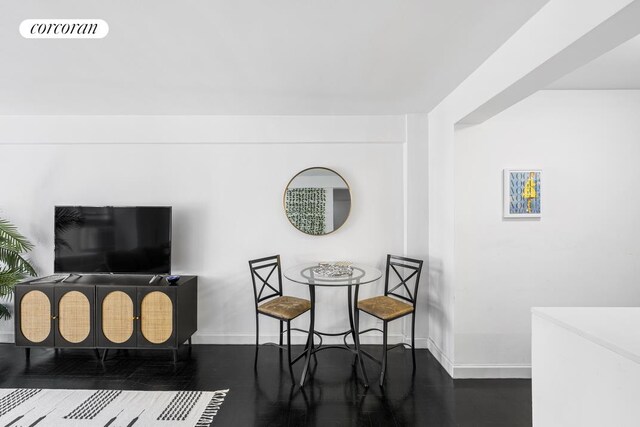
x=6, y=292
x=13, y=266
x=15, y=261
x=8, y=280
x=4, y=313
x=10, y=238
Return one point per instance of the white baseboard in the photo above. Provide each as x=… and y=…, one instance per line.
x=479, y=371
x=491, y=371
x=440, y=356
x=7, y=337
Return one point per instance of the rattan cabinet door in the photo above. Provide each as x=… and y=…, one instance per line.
x=157, y=308
x=74, y=318
x=116, y=318
x=34, y=316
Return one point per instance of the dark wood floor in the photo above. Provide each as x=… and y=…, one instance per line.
x=265, y=397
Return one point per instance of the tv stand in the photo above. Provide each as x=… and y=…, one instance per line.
x=106, y=312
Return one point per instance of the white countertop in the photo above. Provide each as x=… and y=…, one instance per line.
x=615, y=328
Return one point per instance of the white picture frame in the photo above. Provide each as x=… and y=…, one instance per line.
x=522, y=193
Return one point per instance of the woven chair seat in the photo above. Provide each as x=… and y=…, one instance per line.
x=385, y=308
x=285, y=308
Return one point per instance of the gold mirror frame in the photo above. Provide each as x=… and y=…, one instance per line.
x=284, y=200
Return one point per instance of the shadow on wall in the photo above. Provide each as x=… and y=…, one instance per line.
x=191, y=228
x=438, y=317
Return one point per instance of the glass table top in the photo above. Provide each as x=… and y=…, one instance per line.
x=304, y=274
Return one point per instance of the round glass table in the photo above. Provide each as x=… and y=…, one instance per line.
x=309, y=275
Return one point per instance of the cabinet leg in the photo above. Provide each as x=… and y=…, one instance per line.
x=27, y=353
x=175, y=355
x=104, y=355
x=189, y=341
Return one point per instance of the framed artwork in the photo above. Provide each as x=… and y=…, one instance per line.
x=522, y=193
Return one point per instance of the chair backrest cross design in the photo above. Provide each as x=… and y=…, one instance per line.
x=266, y=270
x=405, y=270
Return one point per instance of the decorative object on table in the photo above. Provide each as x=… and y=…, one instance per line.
x=333, y=269
x=317, y=201
x=522, y=193
x=266, y=276
x=13, y=266
x=397, y=301
x=60, y=407
x=173, y=280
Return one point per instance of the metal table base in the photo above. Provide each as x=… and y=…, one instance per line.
x=311, y=348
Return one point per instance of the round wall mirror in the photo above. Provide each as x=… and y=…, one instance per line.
x=317, y=201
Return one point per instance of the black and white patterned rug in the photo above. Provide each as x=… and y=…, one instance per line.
x=108, y=408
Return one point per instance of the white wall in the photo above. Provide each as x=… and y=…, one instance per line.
x=227, y=197
x=416, y=194
x=536, y=52
x=584, y=251
x=441, y=230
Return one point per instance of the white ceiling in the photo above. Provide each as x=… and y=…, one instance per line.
x=251, y=56
x=616, y=69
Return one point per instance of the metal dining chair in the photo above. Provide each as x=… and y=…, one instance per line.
x=266, y=275
x=398, y=301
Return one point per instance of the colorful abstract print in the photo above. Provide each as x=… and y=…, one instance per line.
x=524, y=193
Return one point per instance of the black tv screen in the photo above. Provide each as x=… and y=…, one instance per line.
x=107, y=239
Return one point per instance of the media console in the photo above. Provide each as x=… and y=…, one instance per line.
x=106, y=312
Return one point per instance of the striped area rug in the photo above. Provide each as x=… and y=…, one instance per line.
x=108, y=408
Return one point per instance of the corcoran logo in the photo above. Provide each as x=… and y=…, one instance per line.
x=64, y=28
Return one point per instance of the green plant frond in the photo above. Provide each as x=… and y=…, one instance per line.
x=10, y=278
x=6, y=293
x=5, y=314
x=30, y=271
x=10, y=238
x=7, y=284
x=13, y=266
x=15, y=261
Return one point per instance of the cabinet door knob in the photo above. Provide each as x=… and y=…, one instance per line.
x=54, y=317
x=135, y=318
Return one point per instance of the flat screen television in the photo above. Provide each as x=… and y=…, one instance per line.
x=108, y=239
